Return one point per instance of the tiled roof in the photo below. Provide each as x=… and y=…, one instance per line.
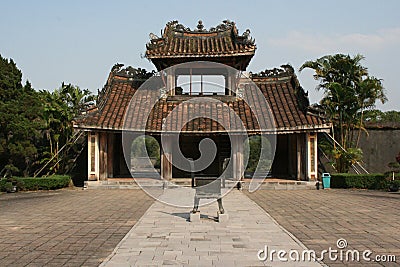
x=286, y=100
x=178, y=41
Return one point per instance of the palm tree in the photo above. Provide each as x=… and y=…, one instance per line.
x=348, y=92
x=370, y=90
x=60, y=108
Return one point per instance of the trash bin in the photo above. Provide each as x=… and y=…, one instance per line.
x=326, y=180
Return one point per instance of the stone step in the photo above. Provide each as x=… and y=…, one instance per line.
x=132, y=184
x=284, y=185
x=146, y=174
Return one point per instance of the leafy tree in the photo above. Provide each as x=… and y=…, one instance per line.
x=348, y=92
x=20, y=122
x=257, y=145
x=378, y=116
x=144, y=146
x=10, y=80
x=60, y=107
x=35, y=125
x=373, y=116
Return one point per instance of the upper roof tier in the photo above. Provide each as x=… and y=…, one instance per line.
x=179, y=44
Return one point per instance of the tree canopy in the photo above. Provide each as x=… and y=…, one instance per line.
x=349, y=91
x=378, y=116
x=34, y=124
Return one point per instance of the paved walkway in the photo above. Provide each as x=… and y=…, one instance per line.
x=83, y=227
x=66, y=227
x=366, y=219
x=164, y=236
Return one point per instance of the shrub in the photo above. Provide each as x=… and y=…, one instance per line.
x=5, y=185
x=43, y=183
x=362, y=181
x=396, y=182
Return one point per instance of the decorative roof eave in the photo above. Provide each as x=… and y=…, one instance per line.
x=227, y=27
x=326, y=127
x=219, y=43
x=233, y=54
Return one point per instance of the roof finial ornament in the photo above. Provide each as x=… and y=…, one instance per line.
x=152, y=36
x=246, y=34
x=200, y=26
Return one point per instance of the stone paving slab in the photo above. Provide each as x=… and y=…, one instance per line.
x=82, y=227
x=366, y=219
x=66, y=227
x=164, y=236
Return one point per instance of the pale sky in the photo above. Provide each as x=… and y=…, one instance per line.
x=79, y=41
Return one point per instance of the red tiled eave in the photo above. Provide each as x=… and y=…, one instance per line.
x=276, y=105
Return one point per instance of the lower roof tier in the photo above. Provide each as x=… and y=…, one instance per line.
x=276, y=105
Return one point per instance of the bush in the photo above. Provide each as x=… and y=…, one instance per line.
x=43, y=183
x=397, y=182
x=394, y=185
x=5, y=185
x=362, y=181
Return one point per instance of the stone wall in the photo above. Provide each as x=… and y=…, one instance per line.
x=380, y=147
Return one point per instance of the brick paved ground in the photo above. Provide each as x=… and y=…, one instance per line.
x=366, y=219
x=71, y=227
x=164, y=236
x=76, y=227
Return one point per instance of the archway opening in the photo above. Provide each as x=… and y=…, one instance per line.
x=145, y=157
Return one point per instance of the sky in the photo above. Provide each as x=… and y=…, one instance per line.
x=79, y=41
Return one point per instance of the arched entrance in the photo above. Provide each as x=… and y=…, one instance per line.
x=145, y=157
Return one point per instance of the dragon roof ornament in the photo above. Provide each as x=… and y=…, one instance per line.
x=175, y=28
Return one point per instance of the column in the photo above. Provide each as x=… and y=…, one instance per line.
x=230, y=83
x=312, y=157
x=298, y=156
x=103, y=158
x=171, y=81
x=93, y=156
x=237, y=157
x=166, y=159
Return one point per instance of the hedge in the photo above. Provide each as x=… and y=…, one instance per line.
x=5, y=185
x=362, y=181
x=41, y=183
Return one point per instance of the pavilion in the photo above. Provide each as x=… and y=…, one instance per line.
x=296, y=126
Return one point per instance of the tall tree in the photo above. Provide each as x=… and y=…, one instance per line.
x=60, y=107
x=20, y=122
x=348, y=92
x=35, y=125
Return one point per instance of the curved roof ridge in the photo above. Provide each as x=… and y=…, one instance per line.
x=179, y=44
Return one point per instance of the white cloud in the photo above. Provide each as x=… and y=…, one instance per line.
x=320, y=43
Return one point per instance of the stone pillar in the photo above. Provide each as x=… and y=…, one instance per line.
x=230, y=83
x=312, y=157
x=237, y=157
x=299, y=156
x=166, y=159
x=103, y=157
x=93, y=156
x=171, y=79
